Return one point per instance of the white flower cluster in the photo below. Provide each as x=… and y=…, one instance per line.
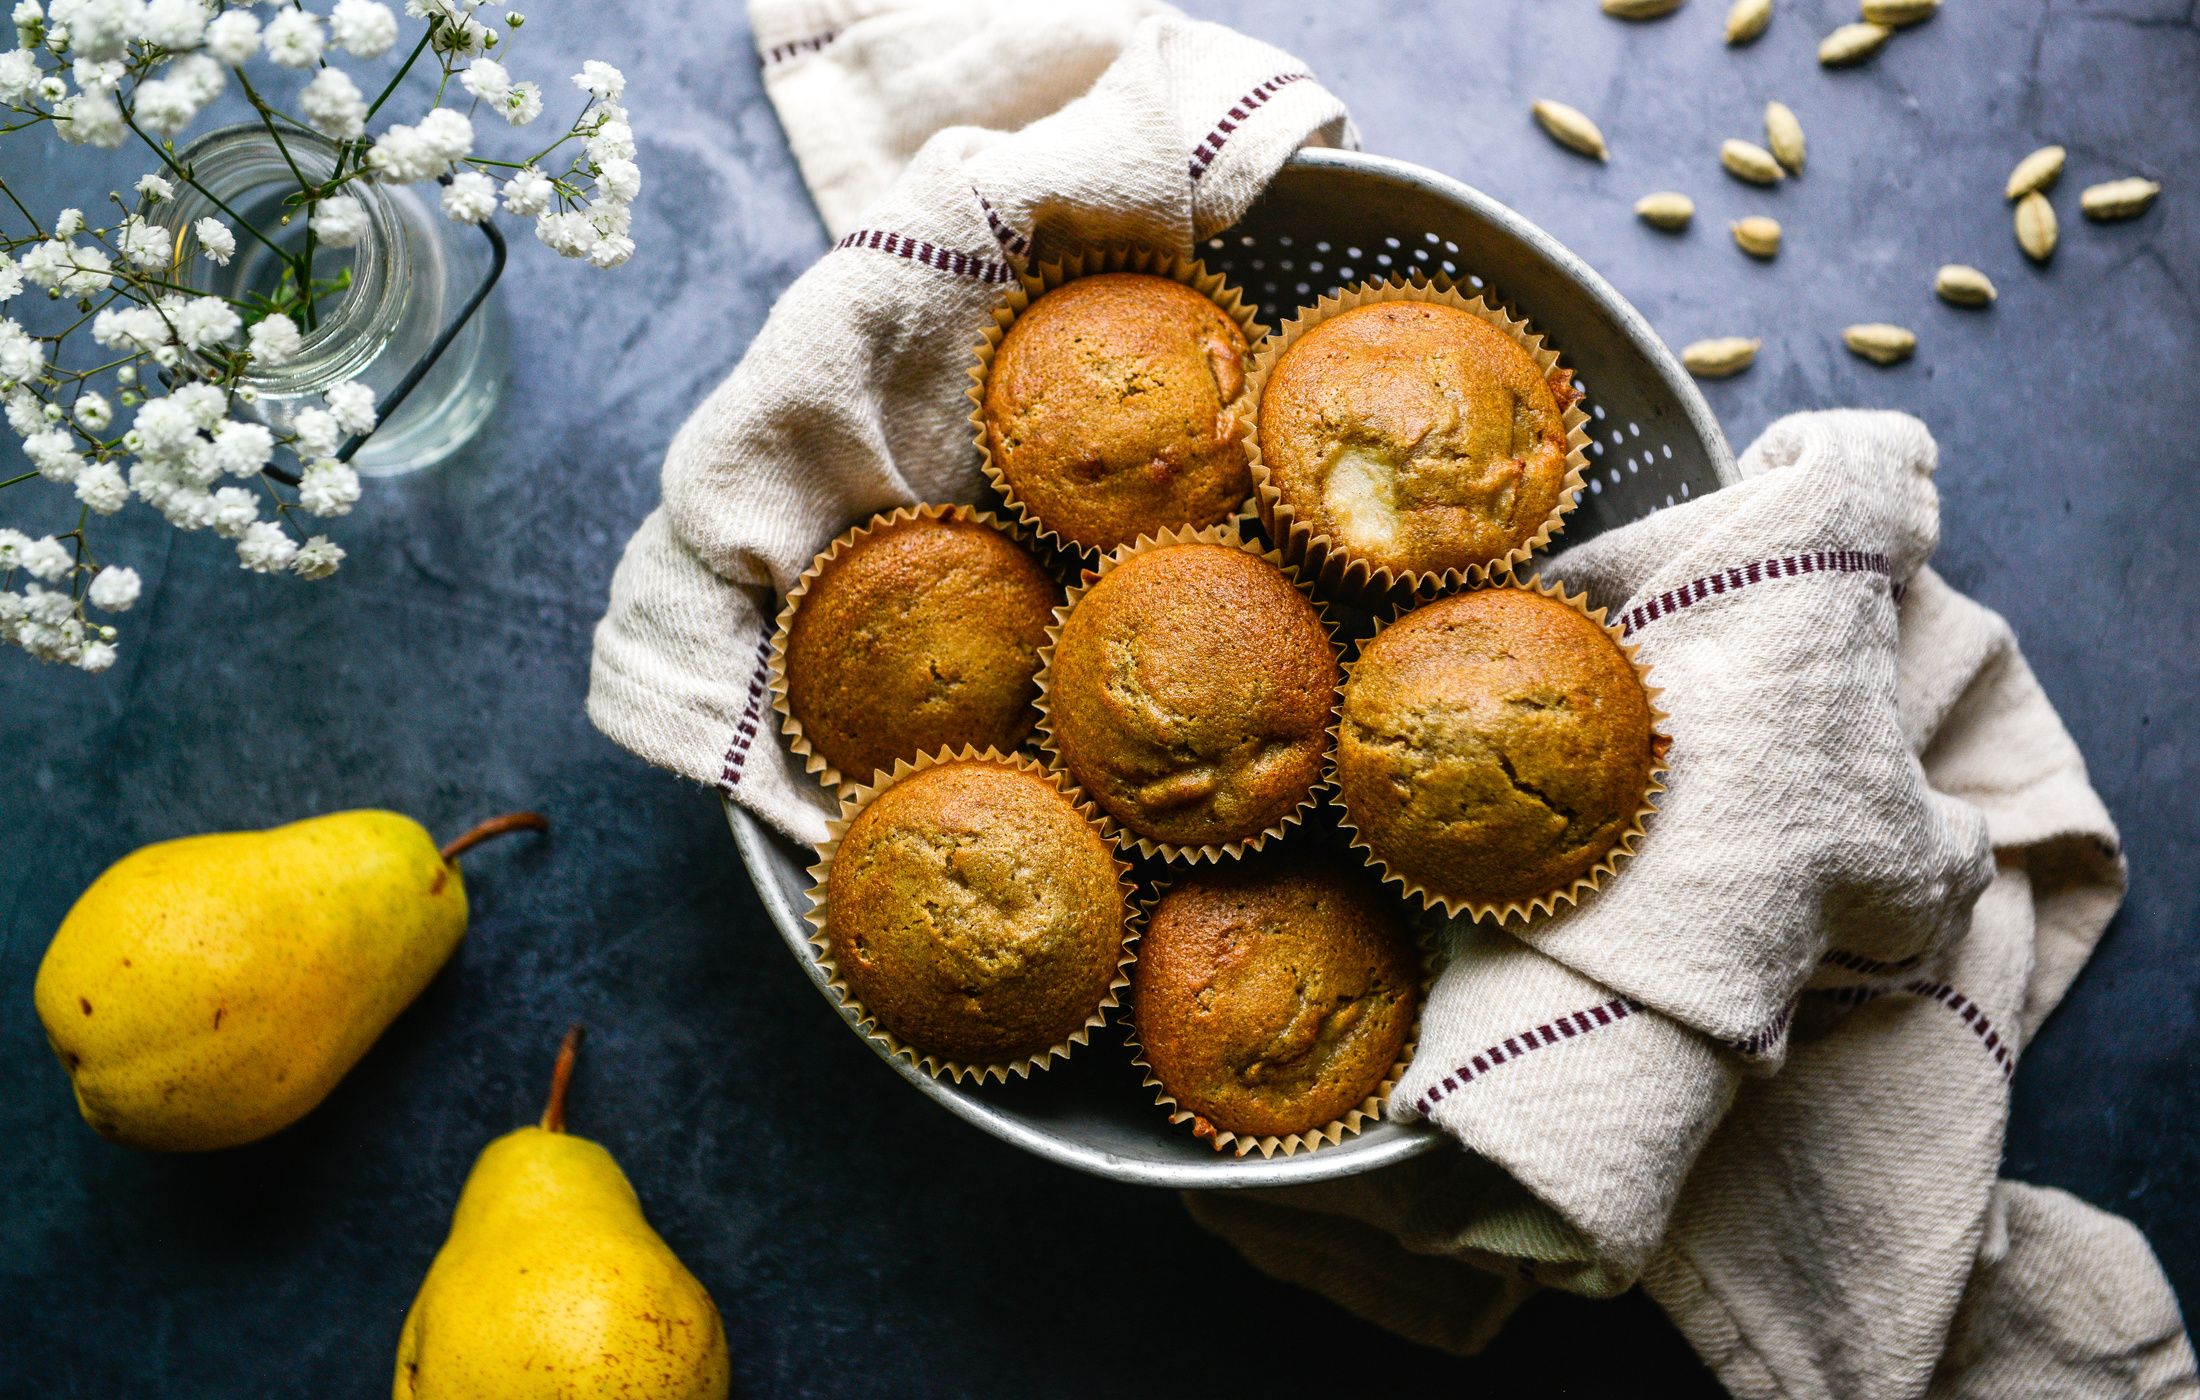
x=104, y=72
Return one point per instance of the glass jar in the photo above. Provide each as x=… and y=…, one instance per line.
x=411, y=279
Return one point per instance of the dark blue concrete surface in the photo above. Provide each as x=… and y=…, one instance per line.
x=859, y=1241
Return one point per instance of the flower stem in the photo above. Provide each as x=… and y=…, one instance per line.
x=410, y=60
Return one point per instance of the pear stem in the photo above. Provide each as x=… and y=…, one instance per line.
x=561, y=1078
x=495, y=826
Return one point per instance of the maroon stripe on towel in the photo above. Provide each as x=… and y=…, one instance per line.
x=780, y=53
x=1823, y=561
x=1513, y=1047
x=752, y=718
x=1210, y=146
x=1868, y=967
x=1016, y=245
x=1965, y=1009
x=1763, y=1041
x=930, y=254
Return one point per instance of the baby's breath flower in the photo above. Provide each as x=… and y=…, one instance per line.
x=68, y=223
x=206, y=321
x=172, y=24
x=333, y=104
x=154, y=187
x=462, y=37
x=265, y=549
x=611, y=250
x=470, y=197
x=522, y=104
x=130, y=328
x=275, y=339
x=52, y=453
x=86, y=119
x=164, y=107
x=620, y=179
x=93, y=411
x=352, y=404
x=486, y=79
x=142, y=244
x=363, y=28
x=317, y=432
x=601, y=80
x=23, y=412
x=242, y=449
x=98, y=77
x=114, y=588
x=216, y=243
x=328, y=487
x=613, y=140
x=45, y=558
x=340, y=221
x=11, y=278
x=235, y=511
x=234, y=36
x=21, y=354
x=527, y=193
x=294, y=39
x=19, y=75
x=101, y=29
x=95, y=657
x=100, y=486
x=569, y=235
x=317, y=558
x=200, y=76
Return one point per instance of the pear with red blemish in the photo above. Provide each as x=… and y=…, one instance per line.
x=206, y=992
x=552, y=1285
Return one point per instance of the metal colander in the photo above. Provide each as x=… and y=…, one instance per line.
x=1330, y=219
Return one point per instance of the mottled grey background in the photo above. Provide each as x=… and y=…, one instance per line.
x=860, y=1241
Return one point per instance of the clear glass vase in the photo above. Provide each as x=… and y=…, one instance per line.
x=414, y=324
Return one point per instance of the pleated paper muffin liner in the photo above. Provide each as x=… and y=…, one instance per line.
x=1329, y=1134
x=814, y=763
x=1622, y=846
x=852, y=1008
x=1328, y=560
x=1232, y=535
x=1031, y=286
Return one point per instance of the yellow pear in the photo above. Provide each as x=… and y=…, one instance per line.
x=553, y=1285
x=206, y=992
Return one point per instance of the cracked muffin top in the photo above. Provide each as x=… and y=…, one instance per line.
x=974, y=911
x=1191, y=692
x=1273, y=996
x=1495, y=745
x=1112, y=409
x=1418, y=437
x=924, y=635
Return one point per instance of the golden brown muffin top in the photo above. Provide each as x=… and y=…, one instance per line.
x=975, y=912
x=1495, y=745
x=922, y=636
x=1417, y=436
x=1112, y=409
x=1191, y=692
x=1274, y=995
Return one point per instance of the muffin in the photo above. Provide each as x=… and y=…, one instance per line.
x=1111, y=410
x=920, y=632
x=975, y=913
x=1495, y=747
x=1416, y=437
x=1190, y=692
x=1274, y=996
